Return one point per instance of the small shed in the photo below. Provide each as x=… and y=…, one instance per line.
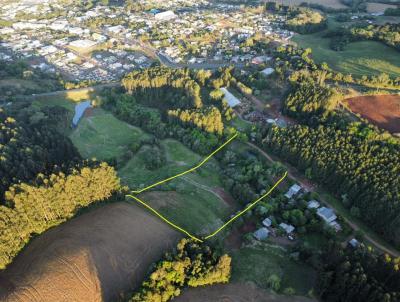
x=313, y=204
x=354, y=243
x=267, y=222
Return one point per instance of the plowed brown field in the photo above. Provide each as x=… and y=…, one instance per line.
x=97, y=256
x=381, y=110
x=235, y=292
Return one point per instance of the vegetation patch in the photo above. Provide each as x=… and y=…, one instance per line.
x=104, y=137
x=359, y=58
x=258, y=264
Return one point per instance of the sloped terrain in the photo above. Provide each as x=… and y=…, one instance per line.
x=235, y=292
x=95, y=257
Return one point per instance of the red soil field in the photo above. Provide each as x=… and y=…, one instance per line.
x=381, y=110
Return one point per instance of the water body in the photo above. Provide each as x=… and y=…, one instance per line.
x=80, y=109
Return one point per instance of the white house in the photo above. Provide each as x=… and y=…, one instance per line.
x=83, y=43
x=165, y=16
x=267, y=71
x=230, y=98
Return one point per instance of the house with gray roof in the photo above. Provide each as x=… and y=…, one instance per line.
x=287, y=227
x=293, y=190
x=327, y=214
x=261, y=234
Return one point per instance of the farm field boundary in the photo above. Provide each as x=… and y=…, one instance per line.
x=247, y=208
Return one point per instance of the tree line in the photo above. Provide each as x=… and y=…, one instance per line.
x=50, y=200
x=358, y=275
x=192, y=265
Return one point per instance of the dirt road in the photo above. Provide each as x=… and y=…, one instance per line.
x=295, y=175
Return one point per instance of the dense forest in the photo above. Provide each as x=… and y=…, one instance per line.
x=193, y=264
x=43, y=179
x=183, y=104
x=30, y=144
x=358, y=275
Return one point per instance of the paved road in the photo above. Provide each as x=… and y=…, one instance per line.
x=293, y=174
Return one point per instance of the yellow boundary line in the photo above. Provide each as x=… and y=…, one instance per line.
x=165, y=219
x=219, y=229
x=246, y=209
x=187, y=171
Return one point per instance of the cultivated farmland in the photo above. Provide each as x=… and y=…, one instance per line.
x=381, y=110
x=95, y=257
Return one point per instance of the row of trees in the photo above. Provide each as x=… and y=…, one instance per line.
x=358, y=275
x=352, y=161
x=208, y=119
x=51, y=200
x=192, y=265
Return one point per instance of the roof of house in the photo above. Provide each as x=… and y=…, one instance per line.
x=354, y=242
x=267, y=222
x=313, y=204
x=261, y=234
x=230, y=98
x=293, y=190
x=287, y=227
x=267, y=71
x=326, y=214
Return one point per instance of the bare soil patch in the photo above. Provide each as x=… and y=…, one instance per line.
x=381, y=110
x=235, y=238
x=234, y=292
x=97, y=256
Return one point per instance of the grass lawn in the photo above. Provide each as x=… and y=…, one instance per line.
x=102, y=136
x=55, y=101
x=358, y=58
x=240, y=124
x=256, y=264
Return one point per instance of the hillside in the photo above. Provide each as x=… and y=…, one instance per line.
x=95, y=257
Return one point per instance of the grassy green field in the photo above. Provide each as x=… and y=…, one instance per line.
x=102, y=136
x=358, y=58
x=188, y=200
x=256, y=264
